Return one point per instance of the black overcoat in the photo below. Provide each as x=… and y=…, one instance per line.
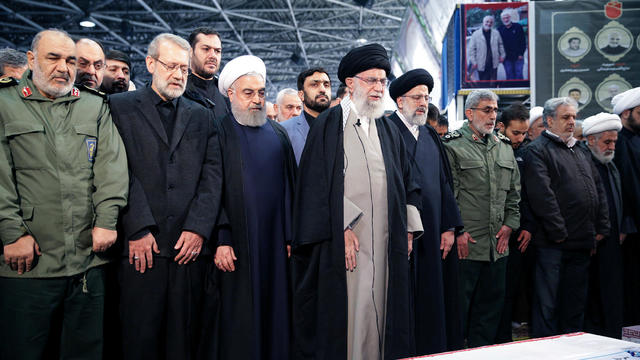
x=318, y=262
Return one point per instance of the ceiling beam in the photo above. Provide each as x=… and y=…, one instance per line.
x=122, y=40
x=154, y=14
x=24, y=19
x=370, y=11
x=300, y=42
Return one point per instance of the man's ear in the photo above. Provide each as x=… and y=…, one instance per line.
x=500, y=127
x=301, y=95
x=400, y=102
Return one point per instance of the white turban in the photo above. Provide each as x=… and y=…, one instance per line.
x=535, y=113
x=238, y=67
x=599, y=123
x=626, y=100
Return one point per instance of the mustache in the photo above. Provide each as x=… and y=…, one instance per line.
x=61, y=75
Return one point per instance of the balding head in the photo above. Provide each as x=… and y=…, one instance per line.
x=91, y=63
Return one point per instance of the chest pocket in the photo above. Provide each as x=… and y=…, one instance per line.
x=27, y=142
x=504, y=169
x=87, y=134
x=472, y=173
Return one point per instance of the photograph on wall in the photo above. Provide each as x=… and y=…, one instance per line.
x=578, y=90
x=585, y=47
x=574, y=44
x=495, y=45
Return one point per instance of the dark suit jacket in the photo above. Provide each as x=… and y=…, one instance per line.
x=175, y=184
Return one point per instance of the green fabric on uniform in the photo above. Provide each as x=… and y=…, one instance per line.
x=42, y=318
x=482, y=288
x=63, y=170
x=486, y=183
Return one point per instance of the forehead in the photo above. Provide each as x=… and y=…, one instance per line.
x=518, y=125
x=505, y=14
x=112, y=62
x=172, y=53
x=89, y=50
x=52, y=41
x=418, y=90
x=250, y=82
x=609, y=135
x=488, y=19
x=487, y=103
x=566, y=109
x=291, y=99
x=375, y=73
x=208, y=40
x=317, y=76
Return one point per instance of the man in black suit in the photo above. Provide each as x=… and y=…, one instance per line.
x=175, y=194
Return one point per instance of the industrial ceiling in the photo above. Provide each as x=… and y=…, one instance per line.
x=289, y=35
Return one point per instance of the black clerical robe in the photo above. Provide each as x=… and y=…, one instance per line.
x=252, y=320
x=318, y=255
x=437, y=318
x=605, y=302
x=206, y=92
x=627, y=160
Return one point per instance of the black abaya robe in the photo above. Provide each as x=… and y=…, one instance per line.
x=434, y=325
x=318, y=255
x=253, y=318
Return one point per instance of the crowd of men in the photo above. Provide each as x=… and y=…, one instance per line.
x=182, y=220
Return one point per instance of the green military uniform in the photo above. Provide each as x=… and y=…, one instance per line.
x=63, y=170
x=487, y=188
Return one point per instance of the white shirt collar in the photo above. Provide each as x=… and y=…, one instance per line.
x=570, y=143
x=414, y=129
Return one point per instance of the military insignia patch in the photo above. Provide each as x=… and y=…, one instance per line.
x=75, y=92
x=91, y=148
x=451, y=135
x=26, y=91
x=503, y=138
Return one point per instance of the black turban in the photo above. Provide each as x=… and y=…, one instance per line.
x=363, y=58
x=408, y=81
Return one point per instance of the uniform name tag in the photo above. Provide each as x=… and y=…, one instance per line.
x=91, y=148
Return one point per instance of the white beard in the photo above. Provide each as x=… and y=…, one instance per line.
x=369, y=109
x=39, y=80
x=414, y=119
x=602, y=158
x=249, y=118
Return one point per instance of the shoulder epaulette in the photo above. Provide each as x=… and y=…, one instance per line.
x=503, y=138
x=8, y=81
x=93, y=91
x=451, y=135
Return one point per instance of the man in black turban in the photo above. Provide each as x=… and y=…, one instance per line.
x=355, y=217
x=437, y=324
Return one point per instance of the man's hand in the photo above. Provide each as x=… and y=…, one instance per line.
x=190, y=245
x=288, y=251
x=224, y=258
x=501, y=59
x=524, y=238
x=520, y=57
x=463, y=246
x=410, y=244
x=503, y=239
x=622, y=237
x=599, y=237
x=447, y=239
x=351, y=248
x=474, y=66
x=140, y=252
x=103, y=238
x=20, y=254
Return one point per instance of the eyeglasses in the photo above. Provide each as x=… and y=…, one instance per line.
x=373, y=81
x=184, y=69
x=417, y=98
x=98, y=65
x=487, y=110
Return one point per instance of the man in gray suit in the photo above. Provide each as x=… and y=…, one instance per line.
x=314, y=88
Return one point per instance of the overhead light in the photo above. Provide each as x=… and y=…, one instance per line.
x=362, y=40
x=87, y=23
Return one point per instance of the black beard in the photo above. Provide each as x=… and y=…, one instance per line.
x=316, y=106
x=202, y=73
x=633, y=123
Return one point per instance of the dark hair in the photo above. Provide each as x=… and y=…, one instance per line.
x=573, y=38
x=205, y=30
x=119, y=56
x=433, y=113
x=443, y=120
x=516, y=111
x=575, y=89
x=305, y=74
x=13, y=58
x=342, y=89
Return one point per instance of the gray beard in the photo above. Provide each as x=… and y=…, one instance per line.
x=369, y=109
x=40, y=81
x=247, y=118
x=603, y=159
x=414, y=119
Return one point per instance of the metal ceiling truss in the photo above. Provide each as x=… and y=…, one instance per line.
x=289, y=35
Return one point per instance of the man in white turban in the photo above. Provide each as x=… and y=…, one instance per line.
x=536, y=125
x=627, y=159
x=254, y=234
x=605, y=304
